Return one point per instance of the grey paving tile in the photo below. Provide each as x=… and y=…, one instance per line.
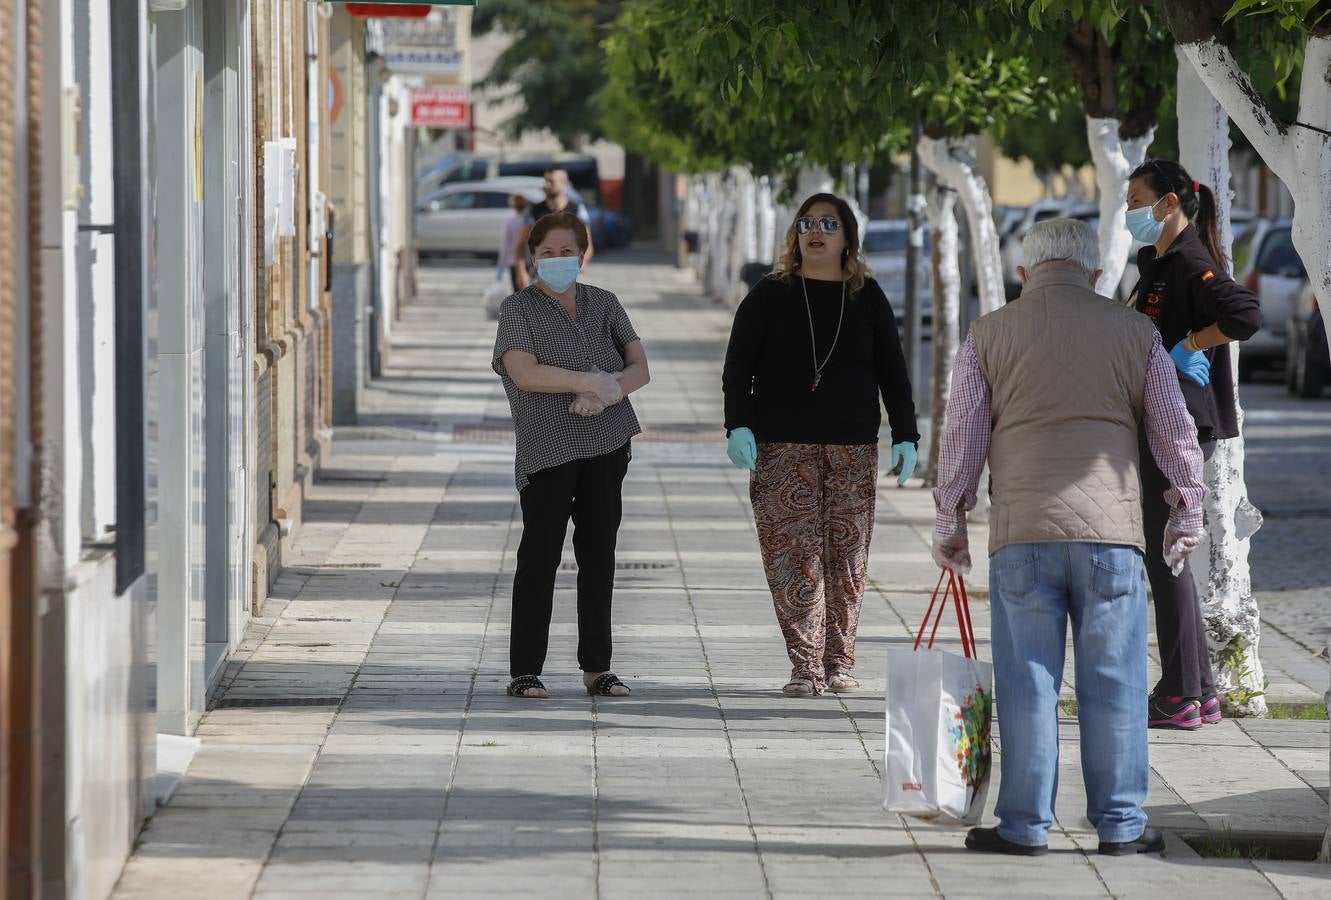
x=428, y=781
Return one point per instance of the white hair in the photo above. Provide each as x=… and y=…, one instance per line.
x=1069, y=240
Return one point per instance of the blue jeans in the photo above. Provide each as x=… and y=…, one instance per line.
x=1034, y=590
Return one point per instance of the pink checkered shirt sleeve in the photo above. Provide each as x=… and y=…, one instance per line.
x=965, y=443
x=1172, y=436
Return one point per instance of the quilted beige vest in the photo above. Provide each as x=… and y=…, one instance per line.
x=1067, y=370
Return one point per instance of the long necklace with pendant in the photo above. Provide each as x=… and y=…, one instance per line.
x=818, y=369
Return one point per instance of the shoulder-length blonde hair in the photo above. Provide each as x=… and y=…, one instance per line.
x=852, y=262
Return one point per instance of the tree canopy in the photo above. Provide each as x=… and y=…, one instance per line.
x=555, y=64
x=825, y=82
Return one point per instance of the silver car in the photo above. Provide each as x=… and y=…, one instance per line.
x=884, y=246
x=469, y=217
x=1267, y=264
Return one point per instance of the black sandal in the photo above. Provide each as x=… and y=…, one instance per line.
x=604, y=684
x=519, y=686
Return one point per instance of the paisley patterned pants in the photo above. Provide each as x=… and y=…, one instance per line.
x=814, y=508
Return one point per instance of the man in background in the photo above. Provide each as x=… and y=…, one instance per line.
x=556, y=200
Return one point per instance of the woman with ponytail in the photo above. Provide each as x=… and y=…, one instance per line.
x=1199, y=309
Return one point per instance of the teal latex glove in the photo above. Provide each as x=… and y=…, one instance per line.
x=742, y=448
x=1193, y=364
x=904, y=455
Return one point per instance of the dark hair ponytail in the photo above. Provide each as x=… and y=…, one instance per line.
x=1196, y=200
x=1207, y=221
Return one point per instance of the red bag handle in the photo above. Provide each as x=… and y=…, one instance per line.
x=956, y=587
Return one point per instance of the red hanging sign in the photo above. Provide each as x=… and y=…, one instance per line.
x=389, y=10
x=440, y=107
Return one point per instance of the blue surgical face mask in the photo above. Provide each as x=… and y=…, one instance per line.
x=1142, y=223
x=559, y=272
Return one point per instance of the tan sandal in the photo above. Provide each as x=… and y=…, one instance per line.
x=841, y=683
x=799, y=687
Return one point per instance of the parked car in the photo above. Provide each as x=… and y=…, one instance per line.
x=884, y=246
x=1267, y=264
x=1010, y=246
x=583, y=172
x=1307, y=358
x=609, y=228
x=469, y=217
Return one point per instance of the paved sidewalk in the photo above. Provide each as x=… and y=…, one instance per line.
x=363, y=746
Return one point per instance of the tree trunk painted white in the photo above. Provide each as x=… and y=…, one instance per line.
x=767, y=237
x=943, y=260
x=1114, y=160
x=716, y=237
x=748, y=215
x=695, y=220
x=1220, y=563
x=1299, y=156
x=812, y=180
x=952, y=160
x=861, y=217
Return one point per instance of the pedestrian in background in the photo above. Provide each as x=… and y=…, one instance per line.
x=568, y=357
x=812, y=348
x=556, y=200
x=510, y=245
x=1198, y=309
x=1056, y=390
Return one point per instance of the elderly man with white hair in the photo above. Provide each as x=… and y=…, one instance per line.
x=1052, y=391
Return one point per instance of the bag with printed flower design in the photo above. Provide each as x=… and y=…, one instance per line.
x=939, y=710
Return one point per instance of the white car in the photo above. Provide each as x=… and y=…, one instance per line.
x=469, y=217
x=1267, y=264
x=884, y=247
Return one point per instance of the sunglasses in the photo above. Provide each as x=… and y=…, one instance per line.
x=826, y=224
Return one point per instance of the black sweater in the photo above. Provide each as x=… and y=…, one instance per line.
x=770, y=366
x=1184, y=290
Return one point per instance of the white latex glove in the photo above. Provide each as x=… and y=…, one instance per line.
x=1179, y=545
x=953, y=553
x=586, y=405
x=604, y=388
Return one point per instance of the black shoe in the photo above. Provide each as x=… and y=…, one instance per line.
x=1151, y=841
x=988, y=840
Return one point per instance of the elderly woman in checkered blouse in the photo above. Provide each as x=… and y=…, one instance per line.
x=569, y=358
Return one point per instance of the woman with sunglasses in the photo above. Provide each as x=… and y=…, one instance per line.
x=1198, y=309
x=812, y=348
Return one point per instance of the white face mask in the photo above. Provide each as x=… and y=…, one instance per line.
x=559, y=272
x=1142, y=223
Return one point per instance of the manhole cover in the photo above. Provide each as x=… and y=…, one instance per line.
x=260, y=702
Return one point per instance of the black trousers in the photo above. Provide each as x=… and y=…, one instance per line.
x=1184, y=658
x=590, y=492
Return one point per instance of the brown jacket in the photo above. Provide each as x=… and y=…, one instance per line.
x=1067, y=372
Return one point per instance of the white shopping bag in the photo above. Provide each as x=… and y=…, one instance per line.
x=495, y=295
x=939, y=707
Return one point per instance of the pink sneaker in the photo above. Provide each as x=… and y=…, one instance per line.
x=1173, y=712
x=1210, y=711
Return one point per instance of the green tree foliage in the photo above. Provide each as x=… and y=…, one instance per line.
x=826, y=82
x=1117, y=56
x=1053, y=138
x=555, y=64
